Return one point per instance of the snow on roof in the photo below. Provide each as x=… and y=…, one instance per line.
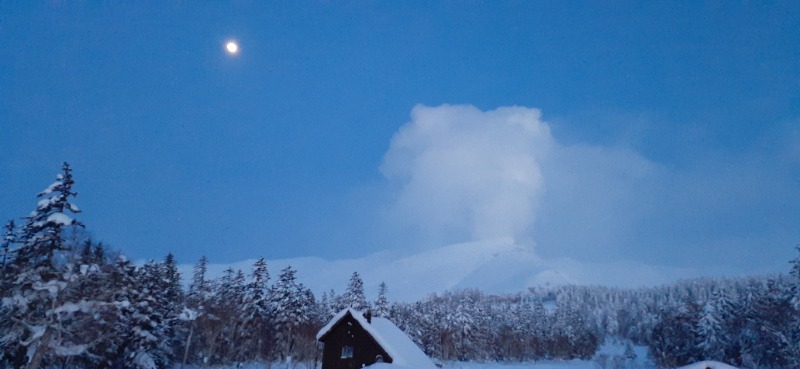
x=387, y=366
x=708, y=364
x=402, y=350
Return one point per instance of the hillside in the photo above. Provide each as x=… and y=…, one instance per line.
x=494, y=266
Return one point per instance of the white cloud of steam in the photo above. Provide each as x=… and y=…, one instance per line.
x=461, y=173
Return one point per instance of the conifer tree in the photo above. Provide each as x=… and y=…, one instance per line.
x=200, y=288
x=197, y=316
x=223, y=331
x=354, y=294
x=34, y=299
x=172, y=298
x=629, y=354
x=710, y=333
x=9, y=238
x=132, y=343
x=256, y=314
x=381, y=303
x=153, y=320
x=335, y=303
x=291, y=308
x=794, y=299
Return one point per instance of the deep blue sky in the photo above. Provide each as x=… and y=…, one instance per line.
x=179, y=147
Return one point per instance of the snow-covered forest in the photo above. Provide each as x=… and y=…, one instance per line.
x=70, y=302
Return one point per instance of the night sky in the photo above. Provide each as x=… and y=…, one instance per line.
x=657, y=132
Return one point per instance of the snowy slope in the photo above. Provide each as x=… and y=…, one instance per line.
x=496, y=266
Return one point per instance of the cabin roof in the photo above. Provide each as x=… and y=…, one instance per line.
x=402, y=350
x=708, y=364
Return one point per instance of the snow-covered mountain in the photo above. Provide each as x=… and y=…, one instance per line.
x=496, y=266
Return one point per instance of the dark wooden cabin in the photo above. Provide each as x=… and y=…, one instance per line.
x=353, y=340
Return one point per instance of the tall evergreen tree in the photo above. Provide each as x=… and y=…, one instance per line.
x=136, y=342
x=354, y=294
x=232, y=297
x=256, y=314
x=36, y=295
x=200, y=288
x=381, y=303
x=291, y=308
x=154, y=318
x=794, y=299
x=710, y=332
x=198, y=300
x=9, y=238
x=172, y=299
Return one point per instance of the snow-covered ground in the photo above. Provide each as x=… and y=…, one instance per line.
x=573, y=364
x=544, y=364
x=610, y=350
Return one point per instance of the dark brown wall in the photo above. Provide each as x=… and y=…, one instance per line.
x=348, y=332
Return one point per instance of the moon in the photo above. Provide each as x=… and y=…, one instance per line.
x=232, y=47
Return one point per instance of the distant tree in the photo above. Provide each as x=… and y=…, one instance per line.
x=381, y=306
x=172, y=292
x=710, y=332
x=256, y=314
x=288, y=301
x=198, y=300
x=335, y=303
x=354, y=294
x=224, y=331
x=673, y=342
x=9, y=238
x=135, y=334
x=200, y=287
x=629, y=354
x=794, y=299
x=154, y=318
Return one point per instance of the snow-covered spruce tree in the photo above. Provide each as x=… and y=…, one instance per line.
x=323, y=307
x=35, y=299
x=257, y=339
x=773, y=346
x=197, y=305
x=335, y=303
x=172, y=293
x=200, y=289
x=172, y=298
x=629, y=354
x=794, y=298
x=95, y=295
x=381, y=303
x=465, y=326
x=710, y=333
x=353, y=296
x=9, y=238
x=222, y=329
x=673, y=337
x=231, y=299
x=523, y=321
x=138, y=339
x=292, y=309
x=6, y=277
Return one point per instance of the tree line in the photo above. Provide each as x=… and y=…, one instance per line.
x=68, y=301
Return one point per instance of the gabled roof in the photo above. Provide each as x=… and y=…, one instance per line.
x=402, y=350
x=708, y=364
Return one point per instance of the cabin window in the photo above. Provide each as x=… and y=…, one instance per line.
x=347, y=352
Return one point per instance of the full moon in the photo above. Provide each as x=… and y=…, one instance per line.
x=232, y=47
